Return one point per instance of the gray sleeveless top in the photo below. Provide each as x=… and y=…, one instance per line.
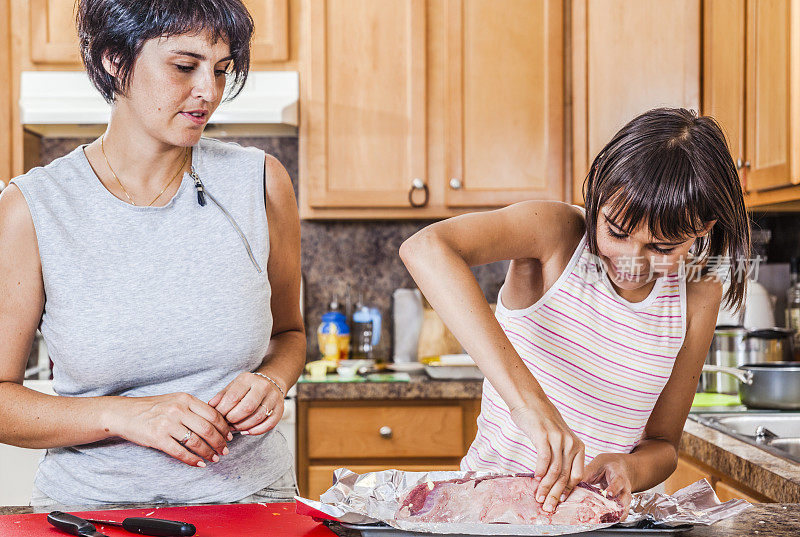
x=146, y=301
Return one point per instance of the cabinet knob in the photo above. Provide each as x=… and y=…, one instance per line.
x=418, y=184
x=739, y=164
x=455, y=184
x=747, y=164
x=385, y=432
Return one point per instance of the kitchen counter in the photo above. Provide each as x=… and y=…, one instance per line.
x=420, y=387
x=772, y=519
x=767, y=474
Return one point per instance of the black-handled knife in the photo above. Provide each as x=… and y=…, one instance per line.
x=73, y=525
x=152, y=526
x=141, y=525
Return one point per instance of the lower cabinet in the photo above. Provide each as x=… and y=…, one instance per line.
x=689, y=470
x=367, y=436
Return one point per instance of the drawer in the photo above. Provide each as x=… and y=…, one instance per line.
x=320, y=477
x=385, y=431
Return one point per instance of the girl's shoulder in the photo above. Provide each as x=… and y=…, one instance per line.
x=703, y=297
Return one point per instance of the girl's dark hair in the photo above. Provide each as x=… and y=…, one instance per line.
x=673, y=171
x=119, y=28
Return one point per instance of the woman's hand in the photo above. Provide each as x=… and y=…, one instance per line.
x=179, y=424
x=251, y=403
x=559, y=453
x=609, y=471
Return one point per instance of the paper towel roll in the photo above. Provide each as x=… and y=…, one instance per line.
x=407, y=317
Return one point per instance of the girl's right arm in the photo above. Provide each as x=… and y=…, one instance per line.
x=35, y=420
x=439, y=258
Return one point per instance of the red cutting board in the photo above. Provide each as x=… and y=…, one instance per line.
x=235, y=520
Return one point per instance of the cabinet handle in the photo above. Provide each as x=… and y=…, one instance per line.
x=455, y=184
x=418, y=184
x=739, y=164
x=385, y=432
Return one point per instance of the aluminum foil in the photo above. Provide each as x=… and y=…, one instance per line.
x=375, y=497
x=695, y=504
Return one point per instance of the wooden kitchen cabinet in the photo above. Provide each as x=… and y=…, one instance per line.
x=367, y=436
x=53, y=36
x=461, y=98
x=752, y=87
x=6, y=99
x=689, y=471
x=628, y=57
x=271, y=40
x=686, y=473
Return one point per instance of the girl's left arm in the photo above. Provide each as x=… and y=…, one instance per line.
x=654, y=459
x=251, y=402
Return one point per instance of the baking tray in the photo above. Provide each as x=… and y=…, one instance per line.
x=454, y=372
x=643, y=528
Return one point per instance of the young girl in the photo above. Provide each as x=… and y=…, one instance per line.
x=601, y=331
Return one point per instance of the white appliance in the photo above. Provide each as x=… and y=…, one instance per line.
x=266, y=104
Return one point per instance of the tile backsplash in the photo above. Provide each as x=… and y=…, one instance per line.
x=336, y=253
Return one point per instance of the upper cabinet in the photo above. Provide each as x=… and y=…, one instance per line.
x=363, y=103
x=423, y=109
x=752, y=86
x=628, y=57
x=53, y=38
x=504, y=113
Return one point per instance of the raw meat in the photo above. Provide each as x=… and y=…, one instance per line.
x=503, y=499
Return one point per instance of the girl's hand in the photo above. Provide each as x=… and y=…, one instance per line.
x=560, y=454
x=609, y=471
x=179, y=424
x=251, y=403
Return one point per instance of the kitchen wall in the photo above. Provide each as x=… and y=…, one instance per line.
x=363, y=254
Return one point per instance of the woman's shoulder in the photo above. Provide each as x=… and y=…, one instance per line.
x=226, y=149
x=558, y=225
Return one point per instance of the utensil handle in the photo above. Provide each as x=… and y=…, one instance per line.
x=745, y=377
x=70, y=523
x=158, y=527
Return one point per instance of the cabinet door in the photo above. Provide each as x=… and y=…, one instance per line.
x=504, y=117
x=629, y=57
x=768, y=95
x=363, y=130
x=727, y=492
x=686, y=473
x=54, y=37
x=5, y=95
x=723, y=70
x=271, y=39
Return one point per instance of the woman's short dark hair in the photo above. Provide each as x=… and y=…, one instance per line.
x=119, y=29
x=673, y=171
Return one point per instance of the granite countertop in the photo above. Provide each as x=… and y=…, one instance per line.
x=420, y=387
x=769, y=519
x=768, y=474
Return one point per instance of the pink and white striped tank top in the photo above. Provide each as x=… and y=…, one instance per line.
x=601, y=360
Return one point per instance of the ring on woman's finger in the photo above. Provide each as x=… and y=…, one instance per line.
x=270, y=411
x=185, y=438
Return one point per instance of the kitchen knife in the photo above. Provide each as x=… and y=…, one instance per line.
x=73, y=525
x=151, y=526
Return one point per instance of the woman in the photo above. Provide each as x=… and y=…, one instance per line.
x=163, y=270
x=587, y=365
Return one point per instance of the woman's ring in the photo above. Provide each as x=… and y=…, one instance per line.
x=186, y=437
x=270, y=411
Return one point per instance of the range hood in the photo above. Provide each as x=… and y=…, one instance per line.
x=64, y=103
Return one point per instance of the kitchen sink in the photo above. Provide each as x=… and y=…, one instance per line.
x=775, y=432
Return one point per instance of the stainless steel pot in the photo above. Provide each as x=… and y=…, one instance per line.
x=773, y=385
x=728, y=349
x=770, y=345
x=734, y=346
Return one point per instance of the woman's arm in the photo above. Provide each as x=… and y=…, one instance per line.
x=439, y=258
x=655, y=457
x=35, y=420
x=250, y=402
